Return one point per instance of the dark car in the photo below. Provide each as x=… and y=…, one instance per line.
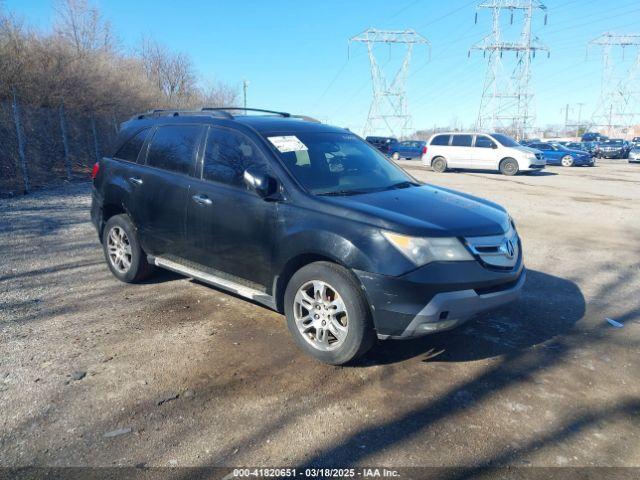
x=556, y=154
x=384, y=144
x=409, y=149
x=613, y=148
x=304, y=218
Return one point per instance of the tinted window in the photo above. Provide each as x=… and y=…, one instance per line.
x=484, y=142
x=461, y=140
x=173, y=148
x=131, y=148
x=227, y=155
x=337, y=164
x=440, y=140
x=505, y=140
x=541, y=146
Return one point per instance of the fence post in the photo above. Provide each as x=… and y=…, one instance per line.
x=65, y=142
x=95, y=137
x=23, y=160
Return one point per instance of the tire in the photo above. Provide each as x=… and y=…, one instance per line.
x=354, y=332
x=395, y=157
x=125, y=258
x=566, y=161
x=509, y=167
x=439, y=165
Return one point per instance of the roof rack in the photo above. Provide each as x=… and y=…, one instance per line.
x=176, y=113
x=219, y=112
x=225, y=109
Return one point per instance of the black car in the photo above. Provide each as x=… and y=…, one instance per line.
x=306, y=219
x=384, y=144
x=613, y=148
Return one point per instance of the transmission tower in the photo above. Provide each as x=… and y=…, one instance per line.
x=506, y=97
x=618, y=106
x=388, y=113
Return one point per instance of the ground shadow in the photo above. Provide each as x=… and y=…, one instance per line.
x=549, y=307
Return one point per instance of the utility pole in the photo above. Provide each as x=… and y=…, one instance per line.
x=566, y=118
x=245, y=85
x=506, y=99
x=618, y=107
x=388, y=113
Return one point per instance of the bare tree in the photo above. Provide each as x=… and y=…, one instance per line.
x=81, y=24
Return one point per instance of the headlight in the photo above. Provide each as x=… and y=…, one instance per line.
x=425, y=250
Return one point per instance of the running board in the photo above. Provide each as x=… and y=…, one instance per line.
x=223, y=283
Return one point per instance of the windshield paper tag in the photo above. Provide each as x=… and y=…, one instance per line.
x=289, y=143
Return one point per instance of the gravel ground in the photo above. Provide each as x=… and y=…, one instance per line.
x=172, y=372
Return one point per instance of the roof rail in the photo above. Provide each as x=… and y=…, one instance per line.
x=225, y=109
x=176, y=113
x=306, y=118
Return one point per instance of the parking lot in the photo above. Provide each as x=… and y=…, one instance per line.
x=172, y=372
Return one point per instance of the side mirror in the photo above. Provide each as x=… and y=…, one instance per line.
x=494, y=146
x=263, y=184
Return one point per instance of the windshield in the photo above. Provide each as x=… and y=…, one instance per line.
x=505, y=140
x=613, y=142
x=338, y=164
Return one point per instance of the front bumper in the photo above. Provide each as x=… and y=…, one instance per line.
x=438, y=296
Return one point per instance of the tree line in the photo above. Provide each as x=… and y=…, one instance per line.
x=79, y=63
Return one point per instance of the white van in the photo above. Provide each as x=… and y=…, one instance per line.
x=480, y=151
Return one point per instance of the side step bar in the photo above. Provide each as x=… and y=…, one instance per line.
x=222, y=283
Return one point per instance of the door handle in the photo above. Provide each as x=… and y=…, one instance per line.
x=135, y=180
x=202, y=200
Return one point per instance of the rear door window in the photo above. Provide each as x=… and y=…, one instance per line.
x=173, y=148
x=440, y=140
x=131, y=148
x=462, y=140
x=228, y=154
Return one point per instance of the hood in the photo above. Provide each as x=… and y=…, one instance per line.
x=428, y=211
x=525, y=149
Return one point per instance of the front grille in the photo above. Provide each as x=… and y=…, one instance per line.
x=497, y=288
x=499, y=251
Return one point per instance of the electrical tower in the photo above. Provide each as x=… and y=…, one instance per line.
x=388, y=113
x=506, y=97
x=618, y=106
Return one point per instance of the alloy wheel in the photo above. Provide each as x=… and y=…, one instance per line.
x=321, y=315
x=119, y=249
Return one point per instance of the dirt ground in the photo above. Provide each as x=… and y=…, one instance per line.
x=172, y=372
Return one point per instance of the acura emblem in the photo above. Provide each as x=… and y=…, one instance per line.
x=507, y=248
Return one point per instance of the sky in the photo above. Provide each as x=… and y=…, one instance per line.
x=295, y=55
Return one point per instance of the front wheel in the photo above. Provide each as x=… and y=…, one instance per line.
x=509, y=167
x=327, y=313
x=567, y=161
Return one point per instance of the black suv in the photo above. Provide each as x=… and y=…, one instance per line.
x=304, y=218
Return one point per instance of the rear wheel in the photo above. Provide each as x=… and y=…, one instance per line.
x=125, y=258
x=327, y=313
x=439, y=165
x=509, y=166
x=567, y=161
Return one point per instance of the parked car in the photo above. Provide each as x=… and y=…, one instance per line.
x=634, y=155
x=408, y=149
x=384, y=144
x=304, y=218
x=582, y=146
x=635, y=141
x=613, y=148
x=593, y=137
x=480, y=151
x=556, y=154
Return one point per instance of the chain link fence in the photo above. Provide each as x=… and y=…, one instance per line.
x=41, y=146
